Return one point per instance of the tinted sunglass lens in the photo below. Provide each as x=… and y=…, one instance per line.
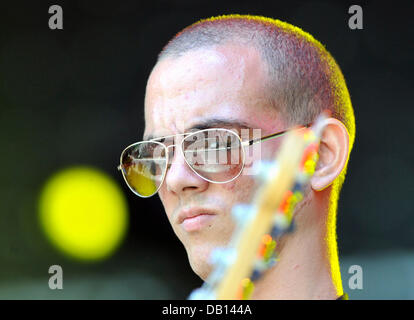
x=143, y=166
x=216, y=155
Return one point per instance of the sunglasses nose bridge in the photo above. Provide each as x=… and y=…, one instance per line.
x=172, y=154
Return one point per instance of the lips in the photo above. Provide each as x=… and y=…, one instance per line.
x=194, y=219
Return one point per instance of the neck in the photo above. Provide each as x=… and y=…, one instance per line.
x=308, y=263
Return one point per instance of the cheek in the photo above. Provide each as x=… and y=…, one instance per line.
x=166, y=200
x=230, y=186
x=240, y=189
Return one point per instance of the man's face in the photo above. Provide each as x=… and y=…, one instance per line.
x=185, y=93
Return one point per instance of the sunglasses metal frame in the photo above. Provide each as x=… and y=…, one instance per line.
x=243, y=144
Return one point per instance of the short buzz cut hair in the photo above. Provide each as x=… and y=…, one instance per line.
x=304, y=79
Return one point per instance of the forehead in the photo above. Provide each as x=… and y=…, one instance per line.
x=225, y=82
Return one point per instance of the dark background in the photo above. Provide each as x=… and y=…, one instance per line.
x=75, y=96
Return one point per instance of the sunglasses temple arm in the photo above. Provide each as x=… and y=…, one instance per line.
x=271, y=136
x=265, y=138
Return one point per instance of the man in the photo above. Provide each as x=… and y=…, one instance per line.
x=247, y=72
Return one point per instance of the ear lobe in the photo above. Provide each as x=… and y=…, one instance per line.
x=333, y=154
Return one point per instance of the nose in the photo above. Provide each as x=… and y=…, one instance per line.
x=180, y=178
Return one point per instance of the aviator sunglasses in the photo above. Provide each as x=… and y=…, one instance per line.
x=216, y=155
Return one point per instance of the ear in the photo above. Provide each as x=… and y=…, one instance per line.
x=333, y=154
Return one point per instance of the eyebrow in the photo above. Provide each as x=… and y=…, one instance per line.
x=210, y=123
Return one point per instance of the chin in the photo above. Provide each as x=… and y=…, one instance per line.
x=199, y=263
x=202, y=269
x=199, y=250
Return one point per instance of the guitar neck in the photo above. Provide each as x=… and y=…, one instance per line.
x=268, y=201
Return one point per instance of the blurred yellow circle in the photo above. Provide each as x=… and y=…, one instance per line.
x=83, y=213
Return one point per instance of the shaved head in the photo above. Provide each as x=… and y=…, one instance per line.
x=304, y=78
x=259, y=73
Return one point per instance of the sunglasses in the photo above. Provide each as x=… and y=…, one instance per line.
x=216, y=155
